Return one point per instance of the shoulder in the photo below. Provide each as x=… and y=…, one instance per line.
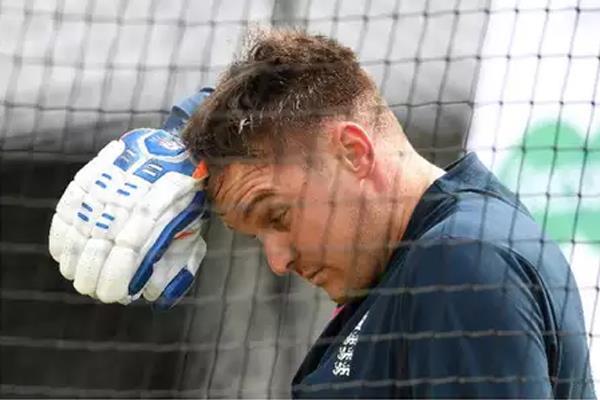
x=460, y=283
x=501, y=227
x=458, y=260
x=488, y=218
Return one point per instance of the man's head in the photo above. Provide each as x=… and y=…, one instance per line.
x=302, y=153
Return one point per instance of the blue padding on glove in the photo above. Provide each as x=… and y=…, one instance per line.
x=183, y=219
x=183, y=111
x=163, y=144
x=168, y=149
x=132, y=151
x=154, y=169
x=174, y=290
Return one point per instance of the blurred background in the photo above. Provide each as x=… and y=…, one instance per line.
x=515, y=81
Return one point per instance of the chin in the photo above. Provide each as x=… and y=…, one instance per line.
x=339, y=300
x=341, y=293
x=343, y=296
x=336, y=295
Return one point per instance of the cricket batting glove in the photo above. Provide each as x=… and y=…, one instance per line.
x=130, y=222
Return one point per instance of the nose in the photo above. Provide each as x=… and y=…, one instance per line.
x=279, y=252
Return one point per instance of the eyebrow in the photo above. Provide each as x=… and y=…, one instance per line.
x=254, y=202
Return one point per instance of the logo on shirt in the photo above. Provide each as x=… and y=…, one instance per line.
x=341, y=367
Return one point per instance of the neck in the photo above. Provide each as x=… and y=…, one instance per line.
x=412, y=177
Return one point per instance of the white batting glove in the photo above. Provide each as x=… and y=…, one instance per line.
x=130, y=222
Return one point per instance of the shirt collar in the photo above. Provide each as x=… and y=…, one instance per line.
x=466, y=174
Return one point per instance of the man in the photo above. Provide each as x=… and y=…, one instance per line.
x=450, y=288
x=446, y=285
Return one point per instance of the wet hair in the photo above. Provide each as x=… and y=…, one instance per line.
x=286, y=82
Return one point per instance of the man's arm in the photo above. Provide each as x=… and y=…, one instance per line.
x=475, y=325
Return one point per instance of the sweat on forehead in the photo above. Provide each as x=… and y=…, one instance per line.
x=294, y=153
x=234, y=177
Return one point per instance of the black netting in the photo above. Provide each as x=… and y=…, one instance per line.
x=460, y=75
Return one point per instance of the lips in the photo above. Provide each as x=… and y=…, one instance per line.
x=310, y=275
x=313, y=276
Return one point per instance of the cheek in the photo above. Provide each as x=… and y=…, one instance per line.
x=324, y=232
x=310, y=229
x=325, y=223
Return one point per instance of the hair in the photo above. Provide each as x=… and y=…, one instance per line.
x=285, y=82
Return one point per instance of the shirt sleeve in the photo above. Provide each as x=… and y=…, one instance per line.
x=474, y=323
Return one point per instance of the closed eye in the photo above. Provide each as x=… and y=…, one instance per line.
x=279, y=220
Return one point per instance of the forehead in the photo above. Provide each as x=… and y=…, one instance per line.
x=237, y=183
x=283, y=172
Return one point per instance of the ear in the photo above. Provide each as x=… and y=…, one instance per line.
x=354, y=148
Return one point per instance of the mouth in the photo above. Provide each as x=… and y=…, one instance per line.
x=315, y=276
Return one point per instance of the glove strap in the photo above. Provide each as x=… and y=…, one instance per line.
x=183, y=111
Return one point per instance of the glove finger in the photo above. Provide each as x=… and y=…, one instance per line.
x=93, y=170
x=165, y=192
x=124, y=259
x=175, y=290
x=96, y=252
x=70, y=202
x=78, y=235
x=87, y=213
x=71, y=206
x=73, y=246
x=197, y=256
x=135, y=231
x=177, y=287
x=90, y=264
x=128, y=299
x=158, y=247
x=157, y=200
x=175, y=258
x=118, y=188
x=109, y=222
x=106, y=181
x=56, y=239
x=116, y=273
x=158, y=281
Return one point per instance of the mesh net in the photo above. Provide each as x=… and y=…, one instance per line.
x=515, y=81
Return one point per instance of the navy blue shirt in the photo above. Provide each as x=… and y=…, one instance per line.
x=474, y=302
